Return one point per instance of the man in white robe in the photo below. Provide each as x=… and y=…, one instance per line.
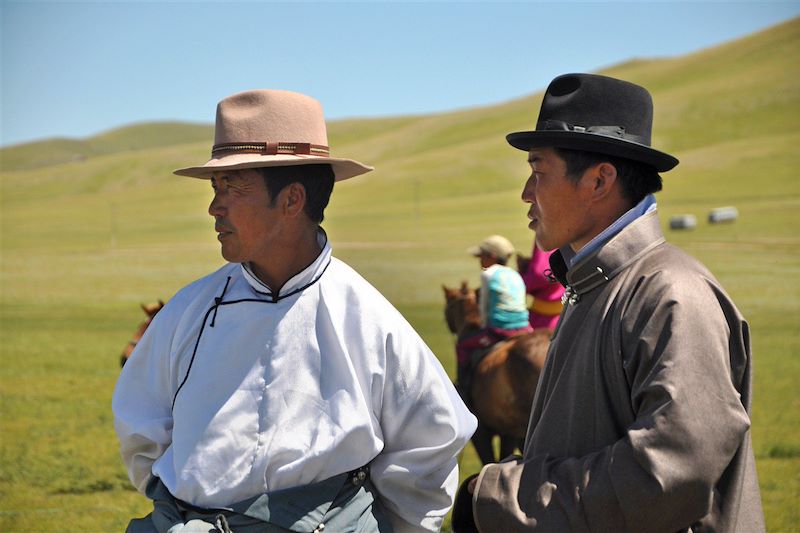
x=283, y=392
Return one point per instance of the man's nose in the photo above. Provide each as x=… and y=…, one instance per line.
x=216, y=207
x=529, y=192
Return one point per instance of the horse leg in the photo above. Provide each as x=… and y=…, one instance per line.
x=482, y=441
x=508, y=445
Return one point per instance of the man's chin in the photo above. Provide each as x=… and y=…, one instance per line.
x=545, y=246
x=230, y=256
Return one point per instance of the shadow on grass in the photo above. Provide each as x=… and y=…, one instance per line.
x=95, y=487
x=783, y=451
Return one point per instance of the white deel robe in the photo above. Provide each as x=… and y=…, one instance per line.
x=264, y=392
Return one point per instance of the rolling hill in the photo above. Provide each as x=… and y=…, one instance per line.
x=442, y=181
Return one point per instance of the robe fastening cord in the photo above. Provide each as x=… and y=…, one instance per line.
x=218, y=301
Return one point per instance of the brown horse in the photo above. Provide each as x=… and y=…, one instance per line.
x=150, y=310
x=504, y=382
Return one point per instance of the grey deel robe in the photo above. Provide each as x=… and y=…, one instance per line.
x=641, y=419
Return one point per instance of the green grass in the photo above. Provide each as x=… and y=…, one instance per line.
x=102, y=226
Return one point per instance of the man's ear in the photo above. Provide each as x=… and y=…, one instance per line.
x=294, y=200
x=604, y=179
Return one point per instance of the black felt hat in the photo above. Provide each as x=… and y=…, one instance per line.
x=597, y=114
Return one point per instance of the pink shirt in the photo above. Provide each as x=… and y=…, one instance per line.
x=546, y=294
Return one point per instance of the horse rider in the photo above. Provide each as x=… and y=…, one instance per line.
x=641, y=419
x=283, y=391
x=501, y=303
x=545, y=290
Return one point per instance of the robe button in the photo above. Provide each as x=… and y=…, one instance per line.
x=359, y=478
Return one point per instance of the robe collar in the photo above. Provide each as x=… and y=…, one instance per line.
x=646, y=205
x=300, y=281
x=596, y=269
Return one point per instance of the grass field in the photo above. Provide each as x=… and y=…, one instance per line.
x=99, y=226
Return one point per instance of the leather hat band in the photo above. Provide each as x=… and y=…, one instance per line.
x=270, y=148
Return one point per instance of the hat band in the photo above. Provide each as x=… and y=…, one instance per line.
x=608, y=131
x=270, y=148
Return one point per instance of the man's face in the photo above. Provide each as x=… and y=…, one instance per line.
x=246, y=224
x=558, y=211
x=487, y=259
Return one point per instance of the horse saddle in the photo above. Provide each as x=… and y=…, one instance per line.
x=479, y=354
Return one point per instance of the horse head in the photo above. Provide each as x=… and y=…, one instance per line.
x=461, y=309
x=150, y=310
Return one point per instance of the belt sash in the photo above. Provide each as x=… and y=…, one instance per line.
x=339, y=503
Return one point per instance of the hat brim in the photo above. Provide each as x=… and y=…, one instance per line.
x=342, y=168
x=474, y=250
x=525, y=140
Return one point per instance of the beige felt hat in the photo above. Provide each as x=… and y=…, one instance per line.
x=497, y=245
x=271, y=128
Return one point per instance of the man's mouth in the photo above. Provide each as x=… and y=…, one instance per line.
x=534, y=219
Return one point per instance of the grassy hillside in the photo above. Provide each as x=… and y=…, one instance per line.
x=137, y=137
x=92, y=228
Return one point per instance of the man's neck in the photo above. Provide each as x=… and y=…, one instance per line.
x=286, y=261
x=625, y=218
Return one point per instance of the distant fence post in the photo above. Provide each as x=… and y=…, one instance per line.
x=113, y=225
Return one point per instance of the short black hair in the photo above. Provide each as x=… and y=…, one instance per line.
x=316, y=179
x=637, y=179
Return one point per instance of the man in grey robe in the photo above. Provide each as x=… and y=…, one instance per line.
x=641, y=417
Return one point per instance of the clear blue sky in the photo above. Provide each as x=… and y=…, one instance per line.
x=75, y=69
